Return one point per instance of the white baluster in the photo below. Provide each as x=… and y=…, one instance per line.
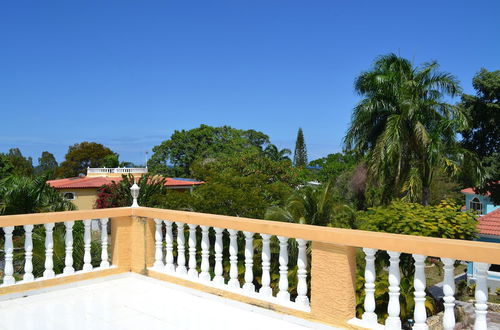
x=181, y=248
x=393, y=309
x=266, y=290
x=104, y=243
x=370, y=276
x=49, y=251
x=8, y=273
x=420, y=314
x=158, y=264
x=481, y=295
x=205, y=254
x=192, y=272
x=233, y=259
x=87, y=257
x=28, y=250
x=302, y=298
x=68, y=243
x=218, y=279
x=169, y=247
x=449, y=293
x=283, y=293
x=248, y=286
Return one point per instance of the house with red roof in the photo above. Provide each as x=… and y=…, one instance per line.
x=82, y=190
x=488, y=230
x=478, y=202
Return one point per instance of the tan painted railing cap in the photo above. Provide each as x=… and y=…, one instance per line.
x=429, y=246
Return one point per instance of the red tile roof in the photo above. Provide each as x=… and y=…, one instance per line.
x=489, y=224
x=471, y=191
x=98, y=181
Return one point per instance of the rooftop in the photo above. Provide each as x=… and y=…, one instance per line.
x=98, y=181
x=489, y=224
x=131, y=301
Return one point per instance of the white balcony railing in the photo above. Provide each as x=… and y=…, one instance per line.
x=119, y=170
x=249, y=257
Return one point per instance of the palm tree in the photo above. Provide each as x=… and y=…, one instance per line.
x=272, y=152
x=403, y=126
x=309, y=205
x=27, y=195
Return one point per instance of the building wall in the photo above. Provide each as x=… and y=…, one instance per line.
x=485, y=200
x=85, y=197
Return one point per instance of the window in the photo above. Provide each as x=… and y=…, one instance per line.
x=476, y=205
x=69, y=196
x=495, y=268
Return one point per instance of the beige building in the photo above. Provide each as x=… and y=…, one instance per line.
x=82, y=191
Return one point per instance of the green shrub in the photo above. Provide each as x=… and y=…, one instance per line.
x=445, y=220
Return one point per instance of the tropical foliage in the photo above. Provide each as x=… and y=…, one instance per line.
x=445, y=220
x=313, y=206
x=404, y=127
x=26, y=195
x=117, y=194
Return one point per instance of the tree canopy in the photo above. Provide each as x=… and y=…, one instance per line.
x=483, y=135
x=175, y=156
x=243, y=184
x=483, y=112
x=6, y=167
x=47, y=165
x=404, y=127
x=83, y=155
x=21, y=166
x=333, y=165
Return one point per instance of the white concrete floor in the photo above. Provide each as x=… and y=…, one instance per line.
x=139, y=303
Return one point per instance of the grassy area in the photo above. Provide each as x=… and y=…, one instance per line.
x=434, y=272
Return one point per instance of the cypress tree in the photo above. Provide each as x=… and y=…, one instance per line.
x=300, y=154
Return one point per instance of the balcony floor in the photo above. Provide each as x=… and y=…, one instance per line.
x=131, y=301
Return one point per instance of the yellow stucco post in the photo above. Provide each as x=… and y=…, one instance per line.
x=132, y=240
x=333, y=282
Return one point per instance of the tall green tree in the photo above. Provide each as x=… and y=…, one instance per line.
x=404, y=127
x=47, y=165
x=22, y=166
x=6, y=167
x=243, y=184
x=483, y=111
x=483, y=135
x=300, y=153
x=83, y=155
x=175, y=156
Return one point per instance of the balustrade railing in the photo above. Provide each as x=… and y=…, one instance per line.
x=29, y=250
x=123, y=170
x=299, y=268
x=206, y=260
x=393, y=321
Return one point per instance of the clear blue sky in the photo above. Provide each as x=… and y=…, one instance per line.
x=128, y=73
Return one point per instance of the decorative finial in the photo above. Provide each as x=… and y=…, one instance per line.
x=135, y=193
